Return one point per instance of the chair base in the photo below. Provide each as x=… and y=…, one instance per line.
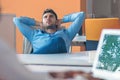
x=91, y=45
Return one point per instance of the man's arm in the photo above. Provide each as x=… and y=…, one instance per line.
x=77, y=20
x=26, y=26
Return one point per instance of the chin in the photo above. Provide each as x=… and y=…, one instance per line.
x=51, y=27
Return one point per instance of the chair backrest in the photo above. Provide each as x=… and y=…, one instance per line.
x=27, y=46
x=94, y=26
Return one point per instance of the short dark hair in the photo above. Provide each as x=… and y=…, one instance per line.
x=50, y=11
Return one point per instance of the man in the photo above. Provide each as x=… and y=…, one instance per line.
x=12, y=69
x=49, y=37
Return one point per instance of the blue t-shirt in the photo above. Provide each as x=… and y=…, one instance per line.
x=43, y=42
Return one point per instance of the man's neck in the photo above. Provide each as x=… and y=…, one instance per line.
x=50, y=30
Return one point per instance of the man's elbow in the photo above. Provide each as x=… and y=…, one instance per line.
x=82, y=14
x=16, y=20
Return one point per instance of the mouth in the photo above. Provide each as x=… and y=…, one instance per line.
x=48, y=22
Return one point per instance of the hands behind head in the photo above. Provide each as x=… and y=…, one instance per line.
x=58, y=23
x=73, y=75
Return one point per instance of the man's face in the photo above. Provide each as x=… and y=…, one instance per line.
x=49, y=19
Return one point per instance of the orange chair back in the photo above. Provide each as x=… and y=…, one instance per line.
x=94, y=26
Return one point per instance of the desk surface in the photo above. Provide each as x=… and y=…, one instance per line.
x=65, y=59
x=44, y=68
x=57, y=62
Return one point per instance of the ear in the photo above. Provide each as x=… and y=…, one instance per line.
x=57, y=22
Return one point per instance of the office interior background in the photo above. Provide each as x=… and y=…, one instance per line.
x=34, y=8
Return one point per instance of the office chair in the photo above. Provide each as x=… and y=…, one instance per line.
x=27, y=46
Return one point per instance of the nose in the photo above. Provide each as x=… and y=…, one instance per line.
x=48, y=17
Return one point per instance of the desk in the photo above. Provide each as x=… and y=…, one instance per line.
x=51, y=62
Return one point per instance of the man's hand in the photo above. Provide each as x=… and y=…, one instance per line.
x=58, y=23
x=39, y=25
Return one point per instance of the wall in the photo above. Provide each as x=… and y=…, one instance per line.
x=106, y=8
x=115, y=8
x=102, y=8
x=89, y=9
x=34, y=8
